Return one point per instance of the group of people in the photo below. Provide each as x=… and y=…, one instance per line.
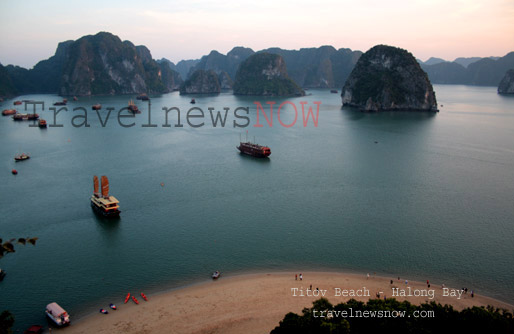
x=296, y=277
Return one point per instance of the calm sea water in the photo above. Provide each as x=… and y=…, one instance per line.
x=432, y=199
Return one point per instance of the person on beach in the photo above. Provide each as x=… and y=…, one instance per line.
x=367, y=276
x=391, y=281
x=472, y=294
x=406, y=282
x=296, y=277
x=301, y=277
x=310, y=287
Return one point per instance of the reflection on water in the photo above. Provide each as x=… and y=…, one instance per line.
x=411, y=194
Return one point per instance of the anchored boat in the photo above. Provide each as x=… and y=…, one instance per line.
x=103, y=203
x=255, y=150
x=133, y=108
x=57, y=314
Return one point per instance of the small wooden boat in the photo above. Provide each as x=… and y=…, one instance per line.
x=104, y=311
x=216, y=275
x=135, y=300
x=142, y=97
x=17, y=103
x=32, y=117
x=97, y=106
x=193, y=101
x=34, y=329
x=127, y=298
x=61, y=103
x=42, y=123
x=333, y=91
x=15, y=172
x=144, y=296
x=112, y=306
x=8, y=112
x=21, y=157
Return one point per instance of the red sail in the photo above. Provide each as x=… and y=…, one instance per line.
x=105, y=186
x=95, y=181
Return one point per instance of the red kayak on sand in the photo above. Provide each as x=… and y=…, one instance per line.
x=144, y=297
x=135, y=300
x=127, y=298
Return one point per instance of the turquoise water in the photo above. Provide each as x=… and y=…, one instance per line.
x=432, y=199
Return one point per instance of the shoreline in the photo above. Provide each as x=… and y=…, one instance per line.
x=255, y=302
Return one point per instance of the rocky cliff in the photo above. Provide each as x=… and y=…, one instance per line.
x=265, y=74
x=95, y=65
x=201, y=82
x=7, y=88
x=507, y=84
x=388, y=78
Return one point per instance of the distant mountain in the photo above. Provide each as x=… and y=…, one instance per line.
x=323, y=67
x=95, y=65
x=201, y=82
x=484, y=72
x=388, y=78
x=265, y=74
x=220, y=63
x=466, y=61
x=184, y=67
x=433, y=61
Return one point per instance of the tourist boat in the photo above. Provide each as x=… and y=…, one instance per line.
x=127, y=298
x=254, y=150
x=42, y=123
x=144, y=296
x=104, y=311
x=14, y=172
x=103, y=203
x=112, y=306
x=142, y=97
x=2, y=275
x=135, y=300
x=57, y=314
x=216, y=275
x=20, y=117
x=133, y=108
x=193, y=101
x=8, y=112
x=21, y=157
x=32, y=117
x=61, y=103
x=333, y=91
x=97, y=106
x=17, y=103
x=34, y=329
x=75, y=98
x=25, y=117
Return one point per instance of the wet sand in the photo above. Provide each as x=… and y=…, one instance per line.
x=253, y=303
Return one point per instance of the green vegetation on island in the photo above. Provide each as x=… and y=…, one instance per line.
x=265, y=74
x=388, y=78
x=201, y=82
x=426, y=318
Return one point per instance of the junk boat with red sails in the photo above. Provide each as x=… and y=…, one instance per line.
x=255, y=150
x=103, y=203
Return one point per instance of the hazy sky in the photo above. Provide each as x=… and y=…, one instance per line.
x=31, y=29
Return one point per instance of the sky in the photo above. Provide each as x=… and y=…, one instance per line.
x=31, y=29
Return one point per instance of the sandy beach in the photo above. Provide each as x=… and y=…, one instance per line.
x=253, y=303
